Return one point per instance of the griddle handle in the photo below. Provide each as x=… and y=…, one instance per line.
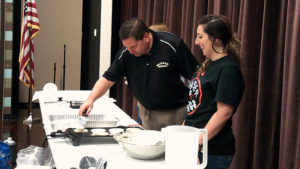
x=58, y=133
x=76, y=142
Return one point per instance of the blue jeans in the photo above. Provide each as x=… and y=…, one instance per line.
x=217, y=161
x=139, y=120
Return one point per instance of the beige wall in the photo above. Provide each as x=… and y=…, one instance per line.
x=105, y=38
x=60, y=23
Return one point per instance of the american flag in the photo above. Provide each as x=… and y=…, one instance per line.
x=30, y=27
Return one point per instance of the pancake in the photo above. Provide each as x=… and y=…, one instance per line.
x=114, y=131
x=99, y=132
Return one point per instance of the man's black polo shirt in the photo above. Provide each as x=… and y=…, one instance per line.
x=154, y=79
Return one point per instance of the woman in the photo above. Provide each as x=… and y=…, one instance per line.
x=216, y=89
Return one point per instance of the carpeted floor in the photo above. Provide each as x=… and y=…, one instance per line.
x=21, y=133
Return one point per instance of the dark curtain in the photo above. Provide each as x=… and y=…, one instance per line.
x=267, y=123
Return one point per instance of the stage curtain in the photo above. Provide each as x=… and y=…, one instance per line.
x=267, y=123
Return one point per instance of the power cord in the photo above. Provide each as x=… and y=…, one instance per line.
x=58, y=133
x=44, y=142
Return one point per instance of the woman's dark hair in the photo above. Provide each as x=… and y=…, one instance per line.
x=133, y=27
x=219, y=27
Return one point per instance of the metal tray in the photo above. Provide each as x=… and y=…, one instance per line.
x=63, y=122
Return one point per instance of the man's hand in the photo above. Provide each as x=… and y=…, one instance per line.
x=86, y=108
x=99, y=89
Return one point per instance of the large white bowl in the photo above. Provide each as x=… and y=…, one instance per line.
x=144, y=145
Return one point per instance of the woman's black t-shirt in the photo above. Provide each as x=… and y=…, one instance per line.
x=221, y=82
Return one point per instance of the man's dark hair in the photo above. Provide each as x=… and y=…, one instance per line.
x=133, y=27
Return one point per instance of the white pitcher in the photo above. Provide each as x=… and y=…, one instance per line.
x=181, y=146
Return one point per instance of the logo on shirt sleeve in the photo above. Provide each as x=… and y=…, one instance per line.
x=162, y=65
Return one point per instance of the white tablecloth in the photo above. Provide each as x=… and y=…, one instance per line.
x=66, y=155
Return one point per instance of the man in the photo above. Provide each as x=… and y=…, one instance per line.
x=152, y=63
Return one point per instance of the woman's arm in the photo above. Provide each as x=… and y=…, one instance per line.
x=218, y=120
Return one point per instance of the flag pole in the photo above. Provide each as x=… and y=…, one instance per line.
x=30, y=78
x=30, y=27
x=32, y=119
x=29, y=121
x=30, y=85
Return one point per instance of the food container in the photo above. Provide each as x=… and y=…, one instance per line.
x=76, y=104
x=63, y=121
